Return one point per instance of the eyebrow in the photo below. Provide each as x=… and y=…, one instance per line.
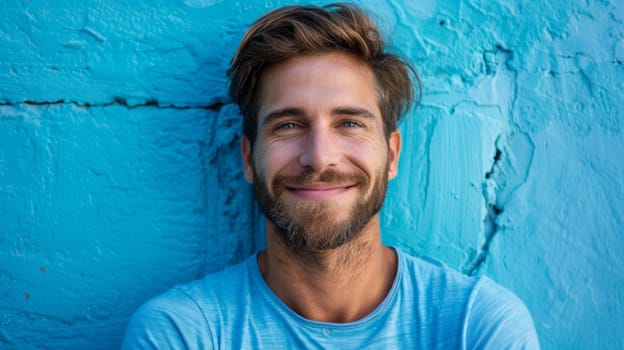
x=289, y=111
x=354, y=111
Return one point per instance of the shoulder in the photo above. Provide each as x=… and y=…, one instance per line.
x=165, y=322
x=484, y=314
x=497, y=318
x=433, y=275
x=186, y=316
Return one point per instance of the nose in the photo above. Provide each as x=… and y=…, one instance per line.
x=319, y=150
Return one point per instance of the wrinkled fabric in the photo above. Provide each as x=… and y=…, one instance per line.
x=428, y=307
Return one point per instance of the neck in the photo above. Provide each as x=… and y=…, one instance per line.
x=338, y=285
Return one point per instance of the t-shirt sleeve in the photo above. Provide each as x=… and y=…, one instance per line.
x=498, y=319
x=170, y=321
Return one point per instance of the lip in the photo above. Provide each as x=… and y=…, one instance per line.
x=319, y=191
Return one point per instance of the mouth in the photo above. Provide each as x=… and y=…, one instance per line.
x=320, y=191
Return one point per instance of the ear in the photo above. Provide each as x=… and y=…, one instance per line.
x=394, y=151
x=247, y=159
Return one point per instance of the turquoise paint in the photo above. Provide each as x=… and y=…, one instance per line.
x=120, y=174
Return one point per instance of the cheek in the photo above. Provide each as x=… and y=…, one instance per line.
x=368, y=155
x=274, y=159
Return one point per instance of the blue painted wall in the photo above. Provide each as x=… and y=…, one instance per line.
x=120, y=174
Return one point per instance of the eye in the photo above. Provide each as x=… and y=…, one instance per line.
x=350, y=124
x=286, y=126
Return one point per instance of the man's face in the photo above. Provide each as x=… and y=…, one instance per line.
x=321, y=162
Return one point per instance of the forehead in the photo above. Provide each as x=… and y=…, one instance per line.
x=315, y=82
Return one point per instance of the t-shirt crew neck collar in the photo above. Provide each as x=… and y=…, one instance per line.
x=264, y=288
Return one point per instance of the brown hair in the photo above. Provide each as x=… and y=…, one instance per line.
x=299, y=30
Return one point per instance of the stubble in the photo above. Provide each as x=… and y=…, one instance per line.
x=309, y=225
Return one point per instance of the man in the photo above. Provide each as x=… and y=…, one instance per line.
x=321, y=99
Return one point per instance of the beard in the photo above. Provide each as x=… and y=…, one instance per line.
x=316, y=225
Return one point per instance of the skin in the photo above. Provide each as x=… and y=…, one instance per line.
x=319, y=113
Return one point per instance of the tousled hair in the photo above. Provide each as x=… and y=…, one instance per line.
x=303, y=30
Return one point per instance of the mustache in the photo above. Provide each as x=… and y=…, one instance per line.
x=328, y=176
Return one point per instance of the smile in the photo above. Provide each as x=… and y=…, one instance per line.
x=320, y=191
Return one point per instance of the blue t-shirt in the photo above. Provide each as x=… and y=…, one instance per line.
x=428, y=307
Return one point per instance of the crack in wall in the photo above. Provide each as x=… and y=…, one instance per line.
x=120, y=101
x=491, y=229
x=497, y=63
x=493, y=210
x=497, y=157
